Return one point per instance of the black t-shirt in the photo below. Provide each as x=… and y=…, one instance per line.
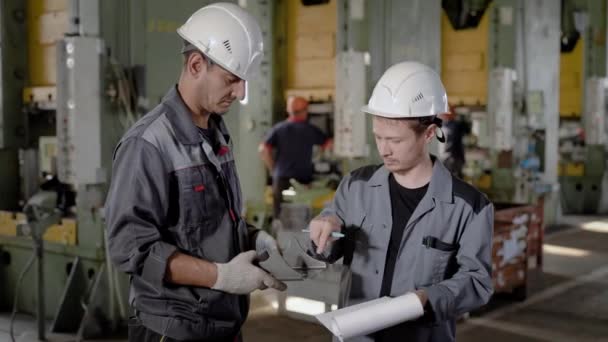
x=403, y=203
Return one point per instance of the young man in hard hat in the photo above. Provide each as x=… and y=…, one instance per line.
x=173, y=208
x=293, y=141
x=410, y=225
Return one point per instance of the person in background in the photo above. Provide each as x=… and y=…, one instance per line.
x=456, y=128
x=288, y=148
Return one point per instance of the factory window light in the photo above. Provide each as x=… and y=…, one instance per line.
x=565, y=251
x=304, y=306
x=596, y=226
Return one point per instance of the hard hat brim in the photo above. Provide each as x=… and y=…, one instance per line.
x=367, y=109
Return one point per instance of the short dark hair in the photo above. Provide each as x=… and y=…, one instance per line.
x=418, y=125
x=188, y=49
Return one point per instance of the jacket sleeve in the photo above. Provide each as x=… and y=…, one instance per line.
x=136, y=209
x=338, y=208
x=471, y=285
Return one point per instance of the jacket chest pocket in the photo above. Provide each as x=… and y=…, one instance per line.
x=199, y=200
x=438, y=261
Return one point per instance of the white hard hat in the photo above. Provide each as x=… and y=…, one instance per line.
x=228, y=35
x=408, y=90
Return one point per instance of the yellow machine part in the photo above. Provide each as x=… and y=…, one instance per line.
x=311, y=49
x=321, y=202
x=571, y=80
x=63, y=233
x=268, y=196
x=39, y=94
x=484, y=182
x=9, y=221
x=571, y=169
x=464, y=62
x=47, y=22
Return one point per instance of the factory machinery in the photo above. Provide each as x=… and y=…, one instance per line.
x=582, y=108
x=88, y=69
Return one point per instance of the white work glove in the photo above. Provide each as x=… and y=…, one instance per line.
x=264, y=242
x=241, y=276
x=321, y=229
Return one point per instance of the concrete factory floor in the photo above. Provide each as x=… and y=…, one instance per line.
x=567, y=301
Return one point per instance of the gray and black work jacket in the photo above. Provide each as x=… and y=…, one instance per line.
x=446, y=247
x=171, y=192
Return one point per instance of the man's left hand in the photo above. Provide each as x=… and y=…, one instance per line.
x=422, y=296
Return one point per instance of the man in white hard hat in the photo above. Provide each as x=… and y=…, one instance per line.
x=410, y=225
x=173, y=208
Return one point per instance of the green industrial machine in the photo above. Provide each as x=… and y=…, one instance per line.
x=92, y=68
x=583, y=79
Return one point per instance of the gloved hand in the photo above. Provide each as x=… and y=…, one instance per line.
x=264, y=242
x=240, y=276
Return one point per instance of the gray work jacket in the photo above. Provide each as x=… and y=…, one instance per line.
x=446, y=248
x=171, y=192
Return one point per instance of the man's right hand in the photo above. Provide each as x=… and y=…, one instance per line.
x=241, y=276
x=321, y=229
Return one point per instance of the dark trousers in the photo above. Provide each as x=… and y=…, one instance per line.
x=139, y=333
x=278, y=185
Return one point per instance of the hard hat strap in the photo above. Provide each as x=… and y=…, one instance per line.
x=438, y=122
